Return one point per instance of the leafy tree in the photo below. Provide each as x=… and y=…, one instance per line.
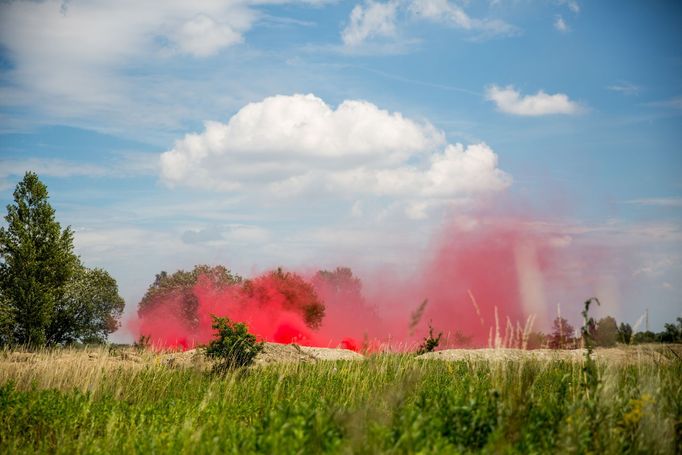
x=234, y=346
x=37, y=261
x=672, y=333
x=296, y=293
x=624, y=333
x=89, y=310
x=562, y=335
x=178, y=289
x=606, y=332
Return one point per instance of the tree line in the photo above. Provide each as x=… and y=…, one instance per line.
x=605, y=332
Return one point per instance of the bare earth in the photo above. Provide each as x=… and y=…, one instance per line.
x=638, y=353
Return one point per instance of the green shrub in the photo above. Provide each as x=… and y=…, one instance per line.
x=234, y=346
x=430, y=342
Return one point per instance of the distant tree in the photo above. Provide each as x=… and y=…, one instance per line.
x=562, y=336
x=37, y=261
x=624, y=333
x=606, y=332
x=340, y=280
x=644, y=337
x=536, y=340
x=89, y=310
x=672, y=333
x=298, y=294
x=178, y=289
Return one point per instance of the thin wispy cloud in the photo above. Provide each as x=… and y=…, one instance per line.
x=657, y=202
x=561, y=25
x=624, y=87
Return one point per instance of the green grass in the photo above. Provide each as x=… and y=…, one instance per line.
x=387, y=404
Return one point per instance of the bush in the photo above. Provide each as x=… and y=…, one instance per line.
x=234, y=346
x=430, y=342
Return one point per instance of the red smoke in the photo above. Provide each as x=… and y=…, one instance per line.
x=470, y=275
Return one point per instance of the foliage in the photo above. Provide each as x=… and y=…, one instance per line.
x=672, y=333
x=46, y=295
x=590, y=374
x=430, y=343
x=644, y=337
x=179, y=289
x=606, y=332
x=297, y=294
x=89, y=310
x=385, y=404
x=6, y=320
x=624, y=333
x=37, y=261
x=536, y=340
x=341, y=280
x=562, y=335
x=234, y=346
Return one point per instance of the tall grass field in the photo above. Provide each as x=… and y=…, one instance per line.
x=82, y=401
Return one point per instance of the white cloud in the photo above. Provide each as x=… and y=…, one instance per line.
x=284, y=146
x=370, y=21
x=560, y=24
x=380, y=20
x=510, y=101
x=446, y=12
x=79, y=60
x=202, y=36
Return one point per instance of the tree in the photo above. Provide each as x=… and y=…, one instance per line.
x=624, y=333
x=606, y=332
x=178, y=289
x=672, y=333
x=295, y=292
x=89, y=310
x=562, y=335
x=37, y=261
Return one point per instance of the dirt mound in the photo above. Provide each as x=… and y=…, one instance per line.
x=617, y=354
x=288, y=353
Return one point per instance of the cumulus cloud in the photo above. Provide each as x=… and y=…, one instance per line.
x=510, y=101
x=290, y=145
x=370, y=21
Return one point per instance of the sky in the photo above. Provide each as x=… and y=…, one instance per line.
x=317, y=133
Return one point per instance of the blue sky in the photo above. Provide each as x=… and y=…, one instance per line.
x=345, y=130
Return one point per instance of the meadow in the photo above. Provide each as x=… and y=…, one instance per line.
x=106, y=400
